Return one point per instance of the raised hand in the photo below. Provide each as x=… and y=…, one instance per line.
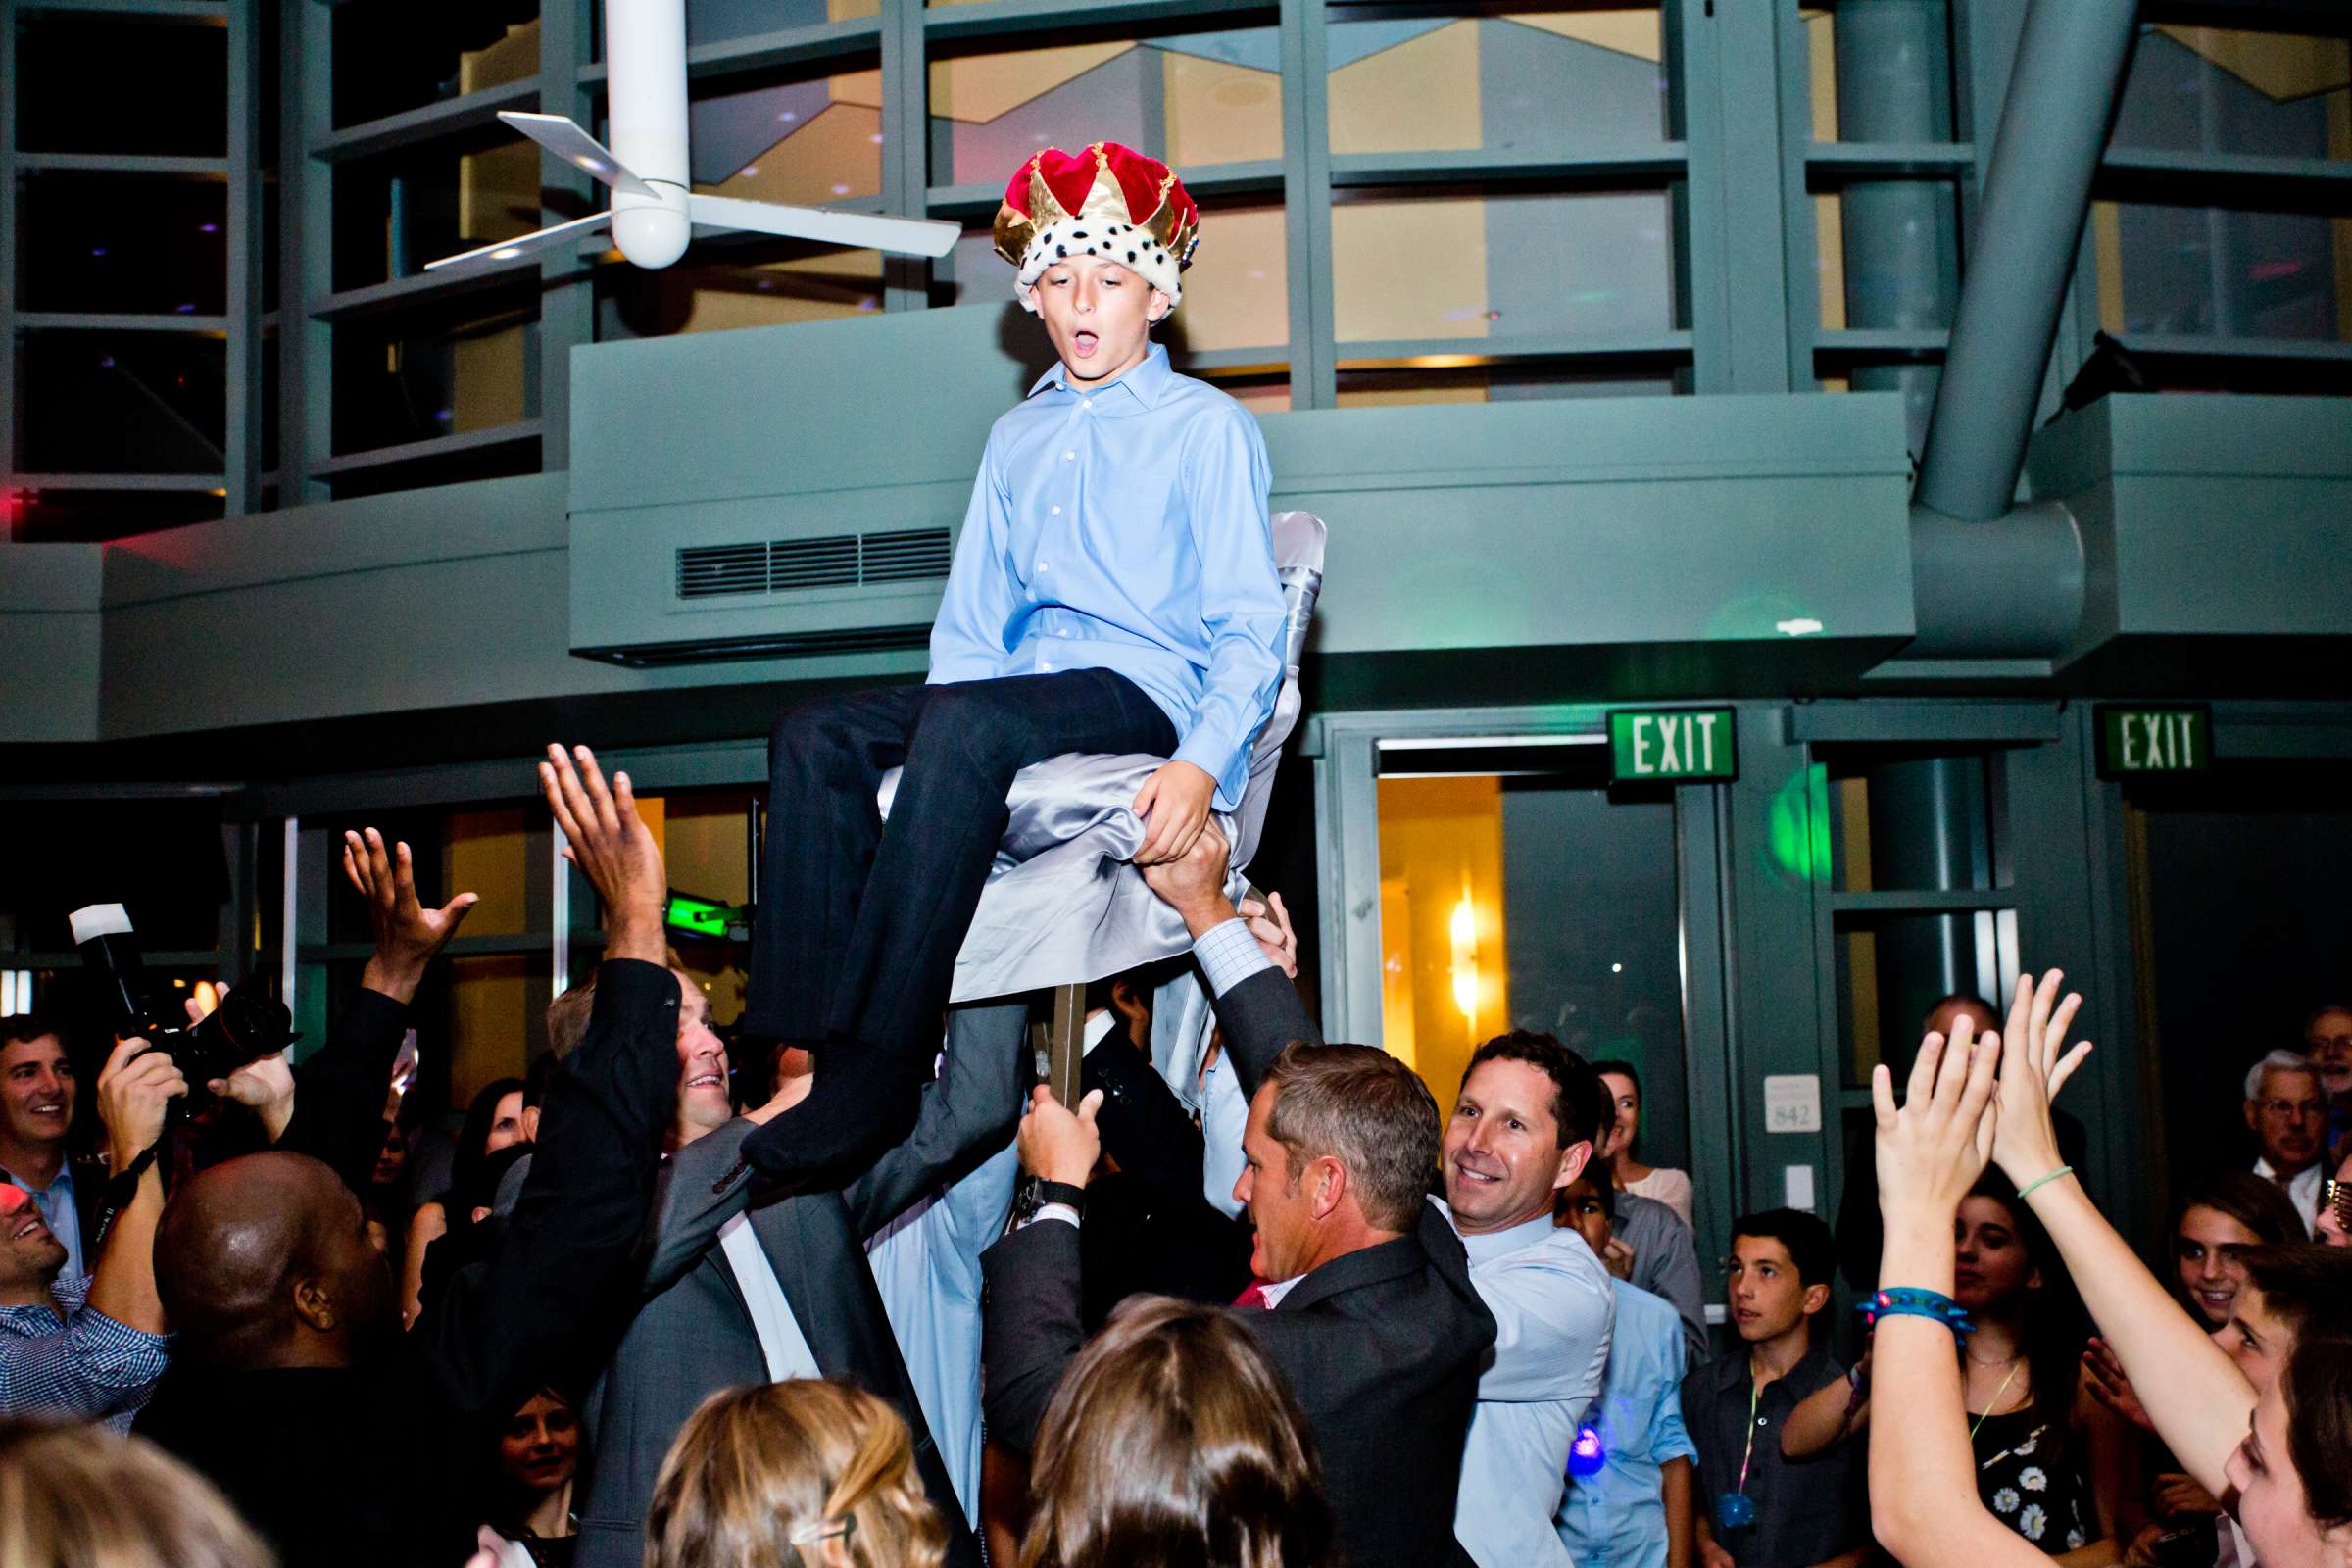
x=2108, y=1383
x=264, y=1085
x=2036, y=1064
x=614, y=848
x=136, y=1088
x=1270, y=923
x=1932, y=1150
x=1056, y=1143
x=1174, y=804
x=408, y=935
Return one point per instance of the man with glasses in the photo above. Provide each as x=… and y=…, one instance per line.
x=2288, y=1113
x=2328, y=1041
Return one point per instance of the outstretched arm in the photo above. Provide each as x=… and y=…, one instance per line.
x=578, y=1224
x=334, y=1101
x=968, y=1114
x=1255, y=1002
x=1923, y=1484
x=135, y=1092
x=2193, y=1391
x=1031, y=1327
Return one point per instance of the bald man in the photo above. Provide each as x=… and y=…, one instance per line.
x=342, y=1440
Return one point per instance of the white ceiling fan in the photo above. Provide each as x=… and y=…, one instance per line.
x=655, y=206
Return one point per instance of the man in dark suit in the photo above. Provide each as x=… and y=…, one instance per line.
x=292, y=1388
x=742, y=1291
x=1366, y=1302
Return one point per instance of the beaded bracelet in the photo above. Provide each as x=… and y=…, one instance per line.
x=1903, y=1300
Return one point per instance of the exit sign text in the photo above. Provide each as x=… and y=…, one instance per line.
x=2134, y=741
x=1671, y=745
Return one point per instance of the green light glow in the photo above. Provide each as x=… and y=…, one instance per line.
x=697, y=916
x=1796, y=827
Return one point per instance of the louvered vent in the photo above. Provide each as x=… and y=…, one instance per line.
x=838, y=561
x=905, y=556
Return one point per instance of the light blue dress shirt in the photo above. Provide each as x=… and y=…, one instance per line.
x=926, y=1266
x=1553, y=1309
x=1616, y=1517
x=1126, y=529
x=60, y=1213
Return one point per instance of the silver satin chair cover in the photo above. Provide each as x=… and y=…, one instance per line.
x=1061, y=905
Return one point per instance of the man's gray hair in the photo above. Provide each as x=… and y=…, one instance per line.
x=2277, y=1061
x=1366, y=1109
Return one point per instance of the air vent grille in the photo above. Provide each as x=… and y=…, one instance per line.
x=788, y=566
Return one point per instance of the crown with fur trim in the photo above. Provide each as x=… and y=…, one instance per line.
x=1109, y=201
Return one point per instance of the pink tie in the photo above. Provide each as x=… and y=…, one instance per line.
x=1253, y=1299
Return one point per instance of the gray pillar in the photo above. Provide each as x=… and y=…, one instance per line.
x=1895, y=84
x=2036, y=190
x=1929, y=832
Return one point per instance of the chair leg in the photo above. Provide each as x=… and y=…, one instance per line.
x=1066, y=1042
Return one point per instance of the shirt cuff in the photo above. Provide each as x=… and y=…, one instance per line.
x=1216, y=756
x=1229, y=955
x=1060, y=1211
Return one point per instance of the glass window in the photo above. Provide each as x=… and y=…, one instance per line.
x=1932, y=824
x=121, y=402
x=396, y=213
x=720, y=285
x=495, y=1007
x=706, y=843
x=1538, y=902
x=2239, y=876
x=1892, y=970
x=1493, y=384
x=124, y=244
x=444, y=368
x=2210, y=271
x=1192, y=99
x=391, y=56
x=725, y=21
x=1499, y=266
x=2214, y=89
x=805, y=140
x=162, y=85
x=1532, y=82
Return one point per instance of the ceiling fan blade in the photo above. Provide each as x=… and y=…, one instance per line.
x=508, y=249
x=904, y=236
x=566, y=140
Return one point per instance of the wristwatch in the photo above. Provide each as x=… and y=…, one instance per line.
x=1067, y=1193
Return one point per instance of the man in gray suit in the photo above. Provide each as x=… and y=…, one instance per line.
x=742, y=1290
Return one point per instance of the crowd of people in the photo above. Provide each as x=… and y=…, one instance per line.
x=1027, y=1332
x=870, y=1299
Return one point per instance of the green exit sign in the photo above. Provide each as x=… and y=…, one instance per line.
x=2134, y=741
x=1671, y=745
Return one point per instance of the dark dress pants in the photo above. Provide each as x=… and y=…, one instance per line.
x=860, y=921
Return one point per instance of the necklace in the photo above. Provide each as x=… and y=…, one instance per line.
x=2007, y=1360
x=1997, y=1400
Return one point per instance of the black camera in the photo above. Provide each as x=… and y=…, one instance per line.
x=246, y=1025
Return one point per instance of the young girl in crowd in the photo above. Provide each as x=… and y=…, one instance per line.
x=493, y=1121
x=2051, y=1462
x=2281, y=1449
x=2211, y=1225
x=1668, y=1186
x=538, y=1453
x=800, y=1474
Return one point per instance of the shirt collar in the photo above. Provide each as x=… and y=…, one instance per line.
x=1145, y=383
x=63, y=1185
x=1499, y=1243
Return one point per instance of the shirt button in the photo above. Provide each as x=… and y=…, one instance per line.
x=1045, y=566
x=1070, y=456
x=1058, y=512
x=1063, y=632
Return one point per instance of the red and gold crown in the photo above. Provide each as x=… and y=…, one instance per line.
x=1109, y=201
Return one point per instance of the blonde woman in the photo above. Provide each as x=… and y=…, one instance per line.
x=79, y=1496
x=793, y=1475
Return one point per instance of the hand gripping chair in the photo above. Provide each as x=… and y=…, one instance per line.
x=1062, y=906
